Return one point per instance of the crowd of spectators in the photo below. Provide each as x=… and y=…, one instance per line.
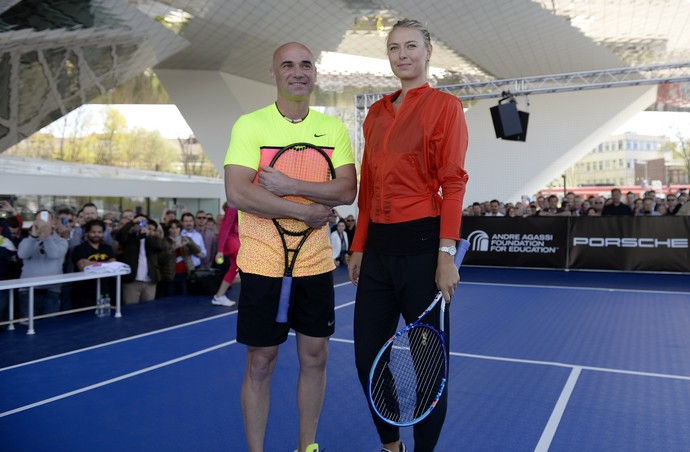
x=162, y=253
x=649, y=204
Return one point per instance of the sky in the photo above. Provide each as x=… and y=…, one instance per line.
x=168, y=120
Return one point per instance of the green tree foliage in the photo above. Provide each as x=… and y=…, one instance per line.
x=110, y=147
x=679, y=149
x=147, y=149
x=116, y=145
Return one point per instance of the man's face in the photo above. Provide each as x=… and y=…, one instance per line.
x=68, y=220
x=201, y=219
x=89, y=213
x=95, y=234
x=188, y=223
x=294, y=72
x=553, y=202
x=127, y=215
x=152, y=230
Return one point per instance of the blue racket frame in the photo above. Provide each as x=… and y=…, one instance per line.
x=462, y=248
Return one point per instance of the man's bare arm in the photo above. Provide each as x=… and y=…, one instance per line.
x=339, y=191
x=246, y=196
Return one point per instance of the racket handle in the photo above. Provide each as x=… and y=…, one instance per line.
x=284, y=302
x=463, y=246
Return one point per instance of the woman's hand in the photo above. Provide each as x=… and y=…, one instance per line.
x=447, y=276
x=354, y=266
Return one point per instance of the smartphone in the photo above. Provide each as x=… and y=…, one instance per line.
x=43, y=216
x=64, y=221
x=142, y=224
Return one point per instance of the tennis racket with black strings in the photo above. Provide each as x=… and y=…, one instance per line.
x=307, y=162
x=409, y=373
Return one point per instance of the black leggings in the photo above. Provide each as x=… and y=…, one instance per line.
x=388, y=287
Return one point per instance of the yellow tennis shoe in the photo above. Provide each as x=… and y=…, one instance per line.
x=313, y=447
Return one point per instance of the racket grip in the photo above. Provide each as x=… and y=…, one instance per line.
x=463, y=246
x=284, y=302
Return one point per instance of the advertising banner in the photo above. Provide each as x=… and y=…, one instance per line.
x=658, y=244
x=516, y=242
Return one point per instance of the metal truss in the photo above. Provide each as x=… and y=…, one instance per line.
x=544, y=84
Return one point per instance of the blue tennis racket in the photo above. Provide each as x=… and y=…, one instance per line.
x=409, y=373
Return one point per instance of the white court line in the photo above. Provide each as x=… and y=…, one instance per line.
x=131, y=374
x=553, y=364
x=118, y=341
x=557, y=413
x=139, y=336
x=604, y=289
x=115, y=380
x=344, y=305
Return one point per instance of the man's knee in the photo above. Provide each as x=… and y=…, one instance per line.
x=261, y=362
x=314, y=353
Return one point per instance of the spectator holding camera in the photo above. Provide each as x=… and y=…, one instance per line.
x=176, y=269
x=42, y=253
x=140, y=250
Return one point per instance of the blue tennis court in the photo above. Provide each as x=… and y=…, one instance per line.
x=541, y=360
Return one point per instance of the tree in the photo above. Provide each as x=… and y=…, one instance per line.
x=680, y=149
x=110, y=146
x=148, y=149
x=683, y=152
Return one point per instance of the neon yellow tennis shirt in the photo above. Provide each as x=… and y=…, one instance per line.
x=254, y=141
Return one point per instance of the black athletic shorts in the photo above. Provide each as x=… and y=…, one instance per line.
x=312, y=309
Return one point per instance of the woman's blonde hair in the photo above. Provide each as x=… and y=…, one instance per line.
x=414, y=24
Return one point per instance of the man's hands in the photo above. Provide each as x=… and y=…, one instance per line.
x=276, y=182
x=316, y=215
x=41, y=229
x=279, y=184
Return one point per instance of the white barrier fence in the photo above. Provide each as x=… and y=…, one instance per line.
x=40, y=281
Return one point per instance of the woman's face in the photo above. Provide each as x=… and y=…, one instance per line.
x=174, y=230
x=341, y=226
x=408, y=55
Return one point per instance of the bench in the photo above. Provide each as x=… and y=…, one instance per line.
x=39, y=281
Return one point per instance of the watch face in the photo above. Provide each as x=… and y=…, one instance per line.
x=449, y=249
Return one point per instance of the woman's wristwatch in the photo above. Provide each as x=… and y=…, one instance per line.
x=448, y=249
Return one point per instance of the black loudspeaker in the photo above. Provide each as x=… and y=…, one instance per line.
x=509, y=123
x=524, y=119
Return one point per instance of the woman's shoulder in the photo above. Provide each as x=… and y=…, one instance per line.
x=442, y=96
